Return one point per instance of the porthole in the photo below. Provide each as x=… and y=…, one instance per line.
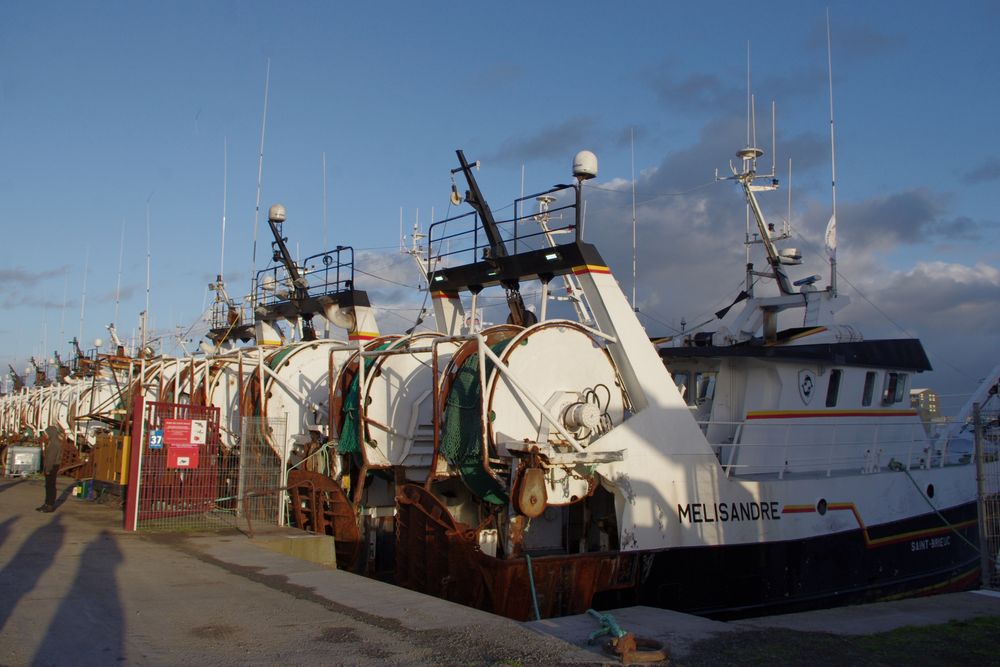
x=930, y=490
x=821, y=506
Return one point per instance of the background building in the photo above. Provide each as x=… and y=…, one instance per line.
x=925, y=402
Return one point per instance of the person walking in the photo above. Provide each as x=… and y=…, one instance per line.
x=51, y=462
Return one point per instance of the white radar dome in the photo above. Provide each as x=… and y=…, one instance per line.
x=276, y=213
x=585, y=165
x=98, y=343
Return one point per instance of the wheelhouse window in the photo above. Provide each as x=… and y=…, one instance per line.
x=894, y=388
x=833, y=388
x=705, y=385
x=866, y=398
x=695, y=387
x=683, y=381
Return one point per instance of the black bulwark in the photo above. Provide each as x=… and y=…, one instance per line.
x=900, y=353
x=541, y=264
x=313, y=304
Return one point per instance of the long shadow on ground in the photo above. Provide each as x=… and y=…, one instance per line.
x=5, y=528
x=4, y=487
x=90, y=620
x=21, y=574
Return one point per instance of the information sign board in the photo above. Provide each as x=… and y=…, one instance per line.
x=184, y=431
x=182, y=456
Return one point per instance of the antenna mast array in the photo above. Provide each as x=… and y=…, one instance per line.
x=746, y=175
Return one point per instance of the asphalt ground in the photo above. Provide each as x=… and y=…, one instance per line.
x=77, y=589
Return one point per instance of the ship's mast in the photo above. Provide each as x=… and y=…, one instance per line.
x=746, y=176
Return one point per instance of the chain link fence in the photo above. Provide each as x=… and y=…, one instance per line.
x=260, y=495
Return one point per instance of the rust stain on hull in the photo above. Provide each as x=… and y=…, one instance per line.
x=437, y=555
x=319, y=505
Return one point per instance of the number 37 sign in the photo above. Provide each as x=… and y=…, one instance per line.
x=156, y=439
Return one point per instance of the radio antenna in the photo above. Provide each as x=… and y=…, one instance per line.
x=774, y=141
x=148, y=263
x=62, y=318
x=325, y=246
x=787, y=231
x=748, y=92
x=632, y=137
x=225, y=200
x=121, y=257
x=260, y=174
x=831, y=227
x=83, y=295
x=746, y=239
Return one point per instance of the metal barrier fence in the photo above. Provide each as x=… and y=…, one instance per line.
x=986, y=423
x=184, y=479
x=260, y=488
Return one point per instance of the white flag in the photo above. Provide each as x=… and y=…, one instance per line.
x=830, y=239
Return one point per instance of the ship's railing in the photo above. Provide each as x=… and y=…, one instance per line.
x=461, y=240
x=228, y=315
x=329, y=272
x=78, y=363
x=837, y=446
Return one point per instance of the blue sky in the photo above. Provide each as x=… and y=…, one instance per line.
x=105, y=107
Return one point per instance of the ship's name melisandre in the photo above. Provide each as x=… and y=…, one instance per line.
x=710, y=513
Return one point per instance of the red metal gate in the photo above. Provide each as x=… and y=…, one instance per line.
x=176, y=474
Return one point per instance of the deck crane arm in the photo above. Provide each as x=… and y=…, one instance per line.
x=40, y=379
x=300, y=287
x=18, y=380
x=519, y=315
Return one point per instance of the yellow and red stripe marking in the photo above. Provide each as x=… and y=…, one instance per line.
x=444, y=295
x=362, y=335
x=821, y=414
x=956, y=584
x=797, y=509
x=871, y=542
x=803, y=334
x=590, y=268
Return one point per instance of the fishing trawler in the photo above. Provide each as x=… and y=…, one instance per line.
x=544, y=466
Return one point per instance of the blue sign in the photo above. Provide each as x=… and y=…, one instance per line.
x=156, y=439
